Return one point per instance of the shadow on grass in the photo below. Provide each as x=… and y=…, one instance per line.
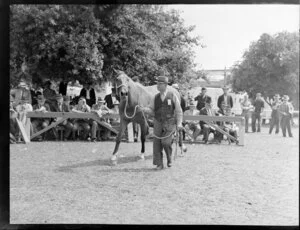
x=101, y=162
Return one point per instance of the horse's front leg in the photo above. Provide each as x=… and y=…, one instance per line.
x=144, y=132
x=123, y=126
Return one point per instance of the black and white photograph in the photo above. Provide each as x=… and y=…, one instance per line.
x=154, y=114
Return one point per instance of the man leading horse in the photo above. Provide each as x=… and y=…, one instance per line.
x=135, y=101
x=167, y=114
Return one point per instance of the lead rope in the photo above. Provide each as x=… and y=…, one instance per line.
x=134, y=113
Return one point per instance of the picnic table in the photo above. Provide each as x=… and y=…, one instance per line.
x=62, y=116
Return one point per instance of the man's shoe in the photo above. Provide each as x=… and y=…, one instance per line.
x=94, y=140
x=291, y=136
x=169, y=164
x=159, y=167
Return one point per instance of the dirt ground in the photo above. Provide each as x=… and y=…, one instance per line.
x=73, y=182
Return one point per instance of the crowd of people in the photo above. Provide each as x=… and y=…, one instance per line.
x=26, y=98
x=43, y=99
x=281, y=116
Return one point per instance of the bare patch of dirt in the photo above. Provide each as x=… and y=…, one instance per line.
x=73, y=182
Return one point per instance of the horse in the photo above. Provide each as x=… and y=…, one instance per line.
x=134, y=96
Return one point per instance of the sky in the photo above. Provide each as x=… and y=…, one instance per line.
x=228, y=30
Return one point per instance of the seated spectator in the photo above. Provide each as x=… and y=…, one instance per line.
x=194, y=126
x=13, y=125
x=101, y=110
x=111, y=98
x=82, y=107
x=40, y=123
x=49, y=94
x=229, y=127
x=207, y=129
x=63, y=107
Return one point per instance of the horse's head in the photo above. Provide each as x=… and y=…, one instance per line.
x=122, y=84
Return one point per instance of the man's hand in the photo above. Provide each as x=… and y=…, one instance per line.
x=180, y=127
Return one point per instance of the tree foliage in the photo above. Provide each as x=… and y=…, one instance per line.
x=86, y=42
x=270, y=66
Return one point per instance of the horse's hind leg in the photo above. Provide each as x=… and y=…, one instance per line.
x=123, y=126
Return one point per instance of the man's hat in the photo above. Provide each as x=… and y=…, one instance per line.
x=225, y=87
x=58, y=96
x=66, y=98
x=162, y=79
x=258, y=94
x=100, y=99
x=176, y=86
x=286, y=97
x=193, y=103
x=22, y=84
x=203, y=88
x=40, y=97
x=277, y=95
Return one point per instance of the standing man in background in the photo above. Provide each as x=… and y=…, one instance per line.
x=89, y=94
x=285, y=112
x=275, y=114
x=201, y=99
x=246, y=110
x=256, y=114
x=167, y=113
x=226, y=98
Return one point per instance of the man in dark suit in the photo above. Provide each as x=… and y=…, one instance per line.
x=207, y=110
x=59, y=106
x=226, y=98
x=89, y=94
x=201, y=98
x=109, y=99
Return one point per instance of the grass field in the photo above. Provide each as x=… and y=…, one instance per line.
x=73, y=182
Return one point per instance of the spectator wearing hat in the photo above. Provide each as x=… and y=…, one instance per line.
x=194, y=126
x=89, y=94
x=167, y=113
x=22, y=91
x=258, y=105
x=40, y=123
x=226, y=98
x=59, y=106
x=207, y=129
x=246, y=110
x=275, y=114
x=82, y=107
x=50, y=94
x=201, y=99
x=111, y=98
x=285, y=110
x=100, y=109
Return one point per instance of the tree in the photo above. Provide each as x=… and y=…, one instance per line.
x=85, y=42
x=270, y=66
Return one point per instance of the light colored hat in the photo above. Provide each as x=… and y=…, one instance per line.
x=100, y=99
x=22, y=84
x=286, y=97
x=193, y=103
x=277, y=95
x=58, y=96
x=162, y=79
x=176, y=86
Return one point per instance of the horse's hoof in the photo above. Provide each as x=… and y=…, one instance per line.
x=142, y=157
x=113, y=158
x=184, y=148
x=121, y=155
